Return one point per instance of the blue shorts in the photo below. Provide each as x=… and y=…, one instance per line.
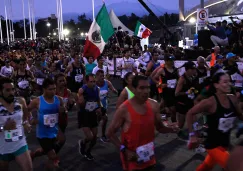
x=11, y=156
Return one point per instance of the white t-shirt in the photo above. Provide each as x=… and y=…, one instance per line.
x=97, y=68
x=129, y=63
x=7, y=71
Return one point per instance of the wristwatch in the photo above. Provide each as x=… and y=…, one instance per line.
x=122, y=148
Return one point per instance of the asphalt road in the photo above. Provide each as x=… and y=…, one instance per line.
x=171, y=152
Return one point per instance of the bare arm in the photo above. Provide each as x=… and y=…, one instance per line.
x=26, y=114
x=122, y=98
x=155, y=74
x=116, y=124
x=157, y=118
x=205, y=106
x=111, y=87
x=69, y=69
x=80, y=99
x=148, y=70
x=179, y=87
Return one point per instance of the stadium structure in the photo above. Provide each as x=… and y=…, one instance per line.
x=219, y=10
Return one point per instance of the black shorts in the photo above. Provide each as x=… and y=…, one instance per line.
x=183, y=108
x=87, y=119
x=150, y=168
x=47, y=144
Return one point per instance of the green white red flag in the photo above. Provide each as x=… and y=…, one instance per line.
x=142, y=31
x=99, y=33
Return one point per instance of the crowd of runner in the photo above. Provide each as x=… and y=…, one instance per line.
x=40, y=88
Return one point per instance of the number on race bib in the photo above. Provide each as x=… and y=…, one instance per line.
x=79, y=78
x=13, y=135
x=226, y=124
x=145, y=152
x=91, y=106
x=171, y=83
x=50, y=120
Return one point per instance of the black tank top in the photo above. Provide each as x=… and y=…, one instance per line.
x=76, y=71
x=22, y=81
x=219, y=125
x=186, y=86
x=201, y=79
x=171, y=79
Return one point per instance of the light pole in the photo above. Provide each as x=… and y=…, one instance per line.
x=1, y=32
x=65, y=33
x=48, y=25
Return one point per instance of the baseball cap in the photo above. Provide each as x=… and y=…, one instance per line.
x=230, y=55
x=219, y=57
x=190, y=65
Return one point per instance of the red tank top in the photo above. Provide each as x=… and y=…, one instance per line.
x=63, y=119
x=141, y=132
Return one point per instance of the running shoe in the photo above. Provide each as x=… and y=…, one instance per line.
x=81, y=148
x=200, y=149
x=89, y=157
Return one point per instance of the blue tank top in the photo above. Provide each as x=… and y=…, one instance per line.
x=48, y=118
x=91, y=97
x=103, y=94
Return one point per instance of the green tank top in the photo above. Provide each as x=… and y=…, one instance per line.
x=130, y=93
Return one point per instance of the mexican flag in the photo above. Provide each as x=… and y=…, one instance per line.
x=142, y=31
x=99, y=33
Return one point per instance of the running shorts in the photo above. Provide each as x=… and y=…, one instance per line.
x=11, y=156
x=47, y=144
x=87, y=119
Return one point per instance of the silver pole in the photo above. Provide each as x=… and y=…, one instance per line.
x=11, y=9
x=58, y=20
x=24, y=19
x=9, y=20
x=61, y=19
x=1, y=31
x=6, y=17
x=30, y=21
x=33, y=18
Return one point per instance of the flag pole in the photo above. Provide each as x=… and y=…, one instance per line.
x=93, y=10
x=1, y=31
x=30, y=21
x=24, y=19
x=6, y=18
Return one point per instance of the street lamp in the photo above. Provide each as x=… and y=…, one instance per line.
x=82, y=34
x=65, y=32
x=86, y=34
x=54, y=34
x=192, y=20
x=48, y=25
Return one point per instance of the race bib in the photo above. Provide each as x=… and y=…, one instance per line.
x=191, y=96
x=90, y=106
x=23, y=84
x=145, y=152
x=13, y=135
x=79, y=78
x=171, y=83
x=39, y=81
x=103, y=94
x=226, y=124
x=201, y=80
x=50, y=120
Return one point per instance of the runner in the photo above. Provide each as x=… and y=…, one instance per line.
x=7, y=70
x=202, y=73
x=138, y=118
x=221, y=110
x=90, y=65
x=90, y=109
x=127, y=92
x=23, y=79
x=66, y=95
x=14, y=117
x=77, y=73
x=104, y=86
x=100, y=66
x=152, y=65
x=169, y=75
x=49, y=107
x=185, y=93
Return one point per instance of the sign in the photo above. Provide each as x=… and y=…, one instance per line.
x=202, y=16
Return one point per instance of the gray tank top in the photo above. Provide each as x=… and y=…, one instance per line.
x=11, y=141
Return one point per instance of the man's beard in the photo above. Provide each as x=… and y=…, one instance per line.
x=8, y=99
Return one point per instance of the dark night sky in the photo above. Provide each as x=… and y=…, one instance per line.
x=44, y=8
